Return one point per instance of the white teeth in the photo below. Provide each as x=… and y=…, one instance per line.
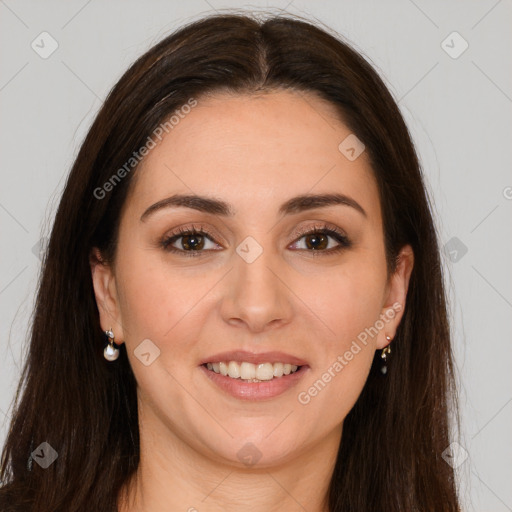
x=234, y=370
x=265, y=371
x=278, y=369
x=252, y=372
x=247, y=371
x=223, y=367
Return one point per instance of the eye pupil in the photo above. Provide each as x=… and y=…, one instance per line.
x=193, y=242
x=317, y=241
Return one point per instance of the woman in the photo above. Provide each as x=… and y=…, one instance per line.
x=241, y=306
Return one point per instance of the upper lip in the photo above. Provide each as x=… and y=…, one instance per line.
x=255, y=358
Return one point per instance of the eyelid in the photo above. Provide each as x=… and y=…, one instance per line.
x=169, y=238
x=332, y=231
x=191, y=229
x=318, y=227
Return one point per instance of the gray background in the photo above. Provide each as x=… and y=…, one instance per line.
x=458, y=111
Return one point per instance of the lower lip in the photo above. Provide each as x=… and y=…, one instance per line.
x=255, y=390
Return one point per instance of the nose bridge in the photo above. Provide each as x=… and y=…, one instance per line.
x=256, y=295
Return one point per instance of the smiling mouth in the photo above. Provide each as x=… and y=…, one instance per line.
x=249, y=372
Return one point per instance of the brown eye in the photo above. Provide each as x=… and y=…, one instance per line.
x=189, y=242
x=317, y=241
x=322, y=241
x=194, y=242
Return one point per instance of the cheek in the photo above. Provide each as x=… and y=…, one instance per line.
x=348, y=313
x=151, y=299
x=164, y=304
x=346, y=299
x=157, y=301
x=346, y=350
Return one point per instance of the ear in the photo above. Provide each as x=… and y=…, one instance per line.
x=395, y=296
x=104, y=284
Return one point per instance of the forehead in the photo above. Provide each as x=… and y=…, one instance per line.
x=247, y=149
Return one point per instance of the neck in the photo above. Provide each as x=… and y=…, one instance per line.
x=174, y=476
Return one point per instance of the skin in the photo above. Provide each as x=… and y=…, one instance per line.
x=253, y=152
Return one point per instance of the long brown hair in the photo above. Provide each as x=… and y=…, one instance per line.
x=390, y=457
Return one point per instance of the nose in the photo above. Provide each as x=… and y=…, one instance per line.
x=257, y=296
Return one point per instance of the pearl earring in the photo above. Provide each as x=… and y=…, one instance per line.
x=384, y=353
x=111, y=353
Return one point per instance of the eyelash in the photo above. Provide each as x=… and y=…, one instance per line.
x=339, y=236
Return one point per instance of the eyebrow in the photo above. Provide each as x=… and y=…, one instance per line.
x=294, y=205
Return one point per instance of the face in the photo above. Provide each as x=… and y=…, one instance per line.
x=255, y=270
